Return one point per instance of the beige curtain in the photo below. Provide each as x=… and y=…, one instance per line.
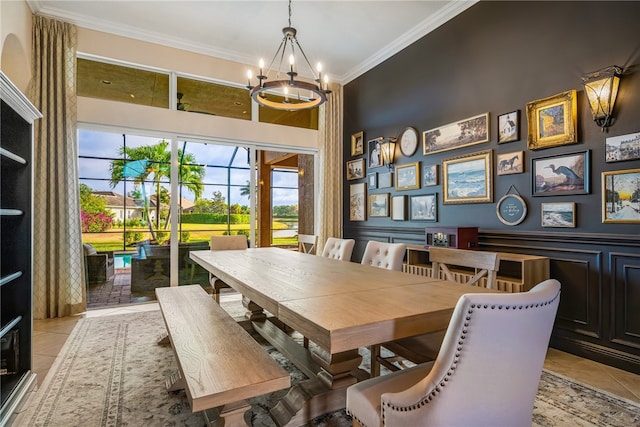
x=330, y=159
x=58, y=272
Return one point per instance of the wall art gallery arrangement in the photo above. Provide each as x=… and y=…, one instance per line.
x=469, y=177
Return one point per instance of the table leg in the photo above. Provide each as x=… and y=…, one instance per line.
x=329, y=376
x=255, y=313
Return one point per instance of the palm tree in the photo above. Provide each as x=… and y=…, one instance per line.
x=246, y=190
x=158, y=168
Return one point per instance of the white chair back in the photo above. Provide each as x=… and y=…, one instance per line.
x=219, y=243
x=384, y=255
x=492, y=353
x=339, y=249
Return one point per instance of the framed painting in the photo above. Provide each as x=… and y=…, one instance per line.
x=355, y=169
x=372, y=180
x=474, y=130
x=508, y=163
x=408, y=176
x=357, y=143
x=552, y=121
x=562, y=174
x=375, y=153
x=468, y=178
x=424, y=207
x=379, y=205
x=623, y=147
x=385, y=180
x=357, y=202
x=559, y=214
x=621, y=196
x=429, y=175
x=509, y=127
x=399, y=208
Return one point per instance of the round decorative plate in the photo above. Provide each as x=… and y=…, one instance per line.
x=408, y=141
x=511, y=209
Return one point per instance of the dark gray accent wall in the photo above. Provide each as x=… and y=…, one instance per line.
x=496, y=57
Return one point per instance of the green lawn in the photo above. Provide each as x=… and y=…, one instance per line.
x=113, y=239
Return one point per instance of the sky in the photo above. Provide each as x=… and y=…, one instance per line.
x=95, y=172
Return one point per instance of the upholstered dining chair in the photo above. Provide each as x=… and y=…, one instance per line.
x=307, y=243
x=339, y=249
x=486, y=373
x=481, y=270
x=219, y=243
x=384, y=255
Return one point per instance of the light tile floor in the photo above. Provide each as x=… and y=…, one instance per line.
x=50, y=335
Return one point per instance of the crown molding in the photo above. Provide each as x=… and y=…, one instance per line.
x=445, y=14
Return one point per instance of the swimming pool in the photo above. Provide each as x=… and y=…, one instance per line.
x=122, y=260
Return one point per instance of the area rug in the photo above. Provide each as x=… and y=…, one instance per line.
x=112, y=373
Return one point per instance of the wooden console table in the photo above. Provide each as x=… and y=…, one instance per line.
x=517, y=272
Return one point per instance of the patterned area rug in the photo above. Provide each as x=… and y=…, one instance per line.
x=112, y=373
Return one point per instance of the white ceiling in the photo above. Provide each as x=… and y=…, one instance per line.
x=348, y=37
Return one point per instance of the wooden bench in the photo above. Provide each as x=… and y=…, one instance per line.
x=220, y=364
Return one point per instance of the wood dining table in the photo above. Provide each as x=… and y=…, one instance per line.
x=339, y=306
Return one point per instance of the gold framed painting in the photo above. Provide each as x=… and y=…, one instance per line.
x=468, y=178
x=620, y=202
x=379, y=205
x=357, y=143
x=470, y=131
x=408, y=176
x=552, y=121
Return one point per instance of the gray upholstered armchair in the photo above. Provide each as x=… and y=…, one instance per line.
x=99, y=266
x=486, y=373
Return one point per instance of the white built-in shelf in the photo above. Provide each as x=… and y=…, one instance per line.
x=11, y=277
x=10, y=326
x=8, y=154
x=10, y=212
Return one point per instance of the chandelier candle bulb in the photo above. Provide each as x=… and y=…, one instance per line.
x=249, y=77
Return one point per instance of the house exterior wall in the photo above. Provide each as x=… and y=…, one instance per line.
x=496, y=57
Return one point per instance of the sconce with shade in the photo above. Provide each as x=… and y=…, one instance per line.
x=388, y=148
x=601, y=88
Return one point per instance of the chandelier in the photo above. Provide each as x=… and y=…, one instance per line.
x=297, y=94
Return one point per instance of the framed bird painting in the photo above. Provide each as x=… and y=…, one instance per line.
x=562, y=174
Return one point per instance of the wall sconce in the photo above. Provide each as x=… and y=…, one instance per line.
x=601, y=88
x=388, y=148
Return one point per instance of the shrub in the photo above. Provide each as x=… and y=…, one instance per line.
x=185, y=236
x=162, y=236
x=95, y=222
x=132, y=237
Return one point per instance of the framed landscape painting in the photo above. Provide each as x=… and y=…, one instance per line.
x=621, y=196
x=560, y=214
x=408, y=176
x=379, y=205
x=474, y=130
x=424, y=208
x=468, y=178
x=623, y=147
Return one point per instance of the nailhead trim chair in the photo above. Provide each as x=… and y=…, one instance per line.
x=384, y=255
x=486, y=373
x=339, y=249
